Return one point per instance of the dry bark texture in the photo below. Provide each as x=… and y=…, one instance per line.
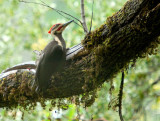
x=129, y=34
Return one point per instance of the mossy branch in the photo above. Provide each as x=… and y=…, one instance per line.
x=129, y=34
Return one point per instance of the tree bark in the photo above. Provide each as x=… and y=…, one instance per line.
x=129, y=34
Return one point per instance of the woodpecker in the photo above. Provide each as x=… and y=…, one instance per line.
x=52, y=58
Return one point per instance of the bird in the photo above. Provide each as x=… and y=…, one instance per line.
x=52, y=58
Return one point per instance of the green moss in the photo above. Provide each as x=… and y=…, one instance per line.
x=107, y=56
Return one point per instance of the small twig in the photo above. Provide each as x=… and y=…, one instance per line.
x=58, y=11
x=155, y=82
x=61, y=12
x=83, y=17
x=91, y=17
x=120, y=97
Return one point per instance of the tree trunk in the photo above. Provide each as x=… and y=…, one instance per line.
x=129, y=34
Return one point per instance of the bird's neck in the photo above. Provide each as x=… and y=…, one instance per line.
x=60, y=40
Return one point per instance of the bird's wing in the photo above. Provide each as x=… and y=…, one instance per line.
x=57, y=52
x=48, y=63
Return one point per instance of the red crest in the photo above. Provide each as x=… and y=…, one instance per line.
x=51, y=29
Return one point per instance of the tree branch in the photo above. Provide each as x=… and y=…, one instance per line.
x=83, y=17
x=129, y=34
x=120, y=96
x=91, y=17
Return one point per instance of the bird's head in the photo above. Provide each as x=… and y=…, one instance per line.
x=58, y=28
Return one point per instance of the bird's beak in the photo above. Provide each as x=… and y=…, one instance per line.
x=66, y=24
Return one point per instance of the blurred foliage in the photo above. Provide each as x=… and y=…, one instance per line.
x=24, y=28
